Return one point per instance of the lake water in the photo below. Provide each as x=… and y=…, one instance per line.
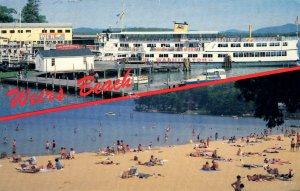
x=79, y=128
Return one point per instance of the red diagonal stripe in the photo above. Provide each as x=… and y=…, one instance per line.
x=155, y=92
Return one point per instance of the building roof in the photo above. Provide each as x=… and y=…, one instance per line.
x=35, y=25
x=65, y=53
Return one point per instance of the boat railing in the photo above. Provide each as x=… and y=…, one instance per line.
x=130, y=49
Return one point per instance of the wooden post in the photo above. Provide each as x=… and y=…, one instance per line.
x=52, y=83
x=67, y=83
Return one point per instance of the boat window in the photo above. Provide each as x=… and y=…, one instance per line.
x=44, y=31
x=222, y=55
x=165, y=45
x=251, y=54
x=3, y=31
x=261, y=44
x=262, y=54
x=223, y=45
x=163, y=55
x=124, y=45
x=20, y=31
x=178, y=45
x=52, y=31
x=283, y=53
x=177, y=55
x=136, y=45
x=256, y=54
x=284, y=43
x=268, y=54
x=12, y=31
x=279, y=53
x=274, y=44
x=28, y=31
x=192, y=55
x=59, y=31
x=149, y=55
x=235, y=45
x=248, y=44
x=272, y=53
x=151, y=45
x=207, y=55
x=68, y=31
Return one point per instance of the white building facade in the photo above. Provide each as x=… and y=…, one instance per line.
x=64, y=60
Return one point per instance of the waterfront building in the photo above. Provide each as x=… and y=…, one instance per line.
x=36, y=34
x=64, y=60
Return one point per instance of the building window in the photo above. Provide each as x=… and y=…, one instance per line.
x=52, y=61
x=68, y=31
x=12, y=31
x=3, y=31
x=59, y=31
x=44, y=31
x=28, y=31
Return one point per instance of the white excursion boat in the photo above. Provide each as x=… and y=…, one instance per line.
x=137, y=79
x=208, y=75
x=196, y=46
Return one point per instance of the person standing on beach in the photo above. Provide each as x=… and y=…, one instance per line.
x=216, y=136
x=14, y=145
x=237, y=184
x=157, y=138
x=293, y=145
x=53, y=145
x=207, y=141
x=47, y=145
x=198, y=137
x=298, y=141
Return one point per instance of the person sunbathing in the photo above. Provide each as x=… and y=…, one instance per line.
x=205, y=166
x=107, y=162
x=129, y=173
x=270, y=170
x=270, y=151
x=260, y=177
x=287, y=176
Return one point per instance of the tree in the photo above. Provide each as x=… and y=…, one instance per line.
x=30, y=13
x=6, y=14
x=269, y=92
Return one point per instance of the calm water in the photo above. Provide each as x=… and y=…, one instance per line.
x=79, y=128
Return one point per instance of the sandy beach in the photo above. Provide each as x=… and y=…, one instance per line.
x=179, y=172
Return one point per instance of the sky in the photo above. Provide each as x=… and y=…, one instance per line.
x=216, y=15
